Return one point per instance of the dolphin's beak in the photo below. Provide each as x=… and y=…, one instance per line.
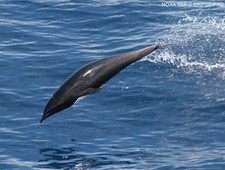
x=44, y=117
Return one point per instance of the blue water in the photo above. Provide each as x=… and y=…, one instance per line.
x=166, y=111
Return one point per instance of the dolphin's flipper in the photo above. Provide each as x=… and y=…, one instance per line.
x=91, y=91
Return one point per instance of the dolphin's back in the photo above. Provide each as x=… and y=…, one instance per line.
x=99, y=72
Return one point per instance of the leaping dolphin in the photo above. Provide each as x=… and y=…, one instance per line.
x=90, y=78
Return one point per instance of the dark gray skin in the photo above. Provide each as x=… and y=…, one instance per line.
x=90, y=78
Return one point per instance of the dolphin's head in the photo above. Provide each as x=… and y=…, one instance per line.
x=56, y=104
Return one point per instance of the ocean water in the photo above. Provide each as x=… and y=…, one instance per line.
x=166, y=111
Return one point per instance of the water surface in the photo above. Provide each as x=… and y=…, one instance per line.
x=166, y=111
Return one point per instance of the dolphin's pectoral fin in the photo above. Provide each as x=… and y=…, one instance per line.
x=87, y=92
x=91, y=91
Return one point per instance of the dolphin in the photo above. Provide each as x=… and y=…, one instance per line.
x=89, y=79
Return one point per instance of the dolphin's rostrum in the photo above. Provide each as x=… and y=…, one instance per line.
x=90, y=78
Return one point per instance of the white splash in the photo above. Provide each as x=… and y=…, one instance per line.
x=198, y=44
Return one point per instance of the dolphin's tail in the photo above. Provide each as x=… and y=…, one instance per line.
x=165, y=45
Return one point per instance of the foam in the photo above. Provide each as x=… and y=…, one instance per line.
x=198, y=44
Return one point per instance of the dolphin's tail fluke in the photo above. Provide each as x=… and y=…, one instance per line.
x=139, y=54
x=165, y=45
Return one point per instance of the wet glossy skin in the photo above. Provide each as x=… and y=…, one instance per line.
x=90, y=78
